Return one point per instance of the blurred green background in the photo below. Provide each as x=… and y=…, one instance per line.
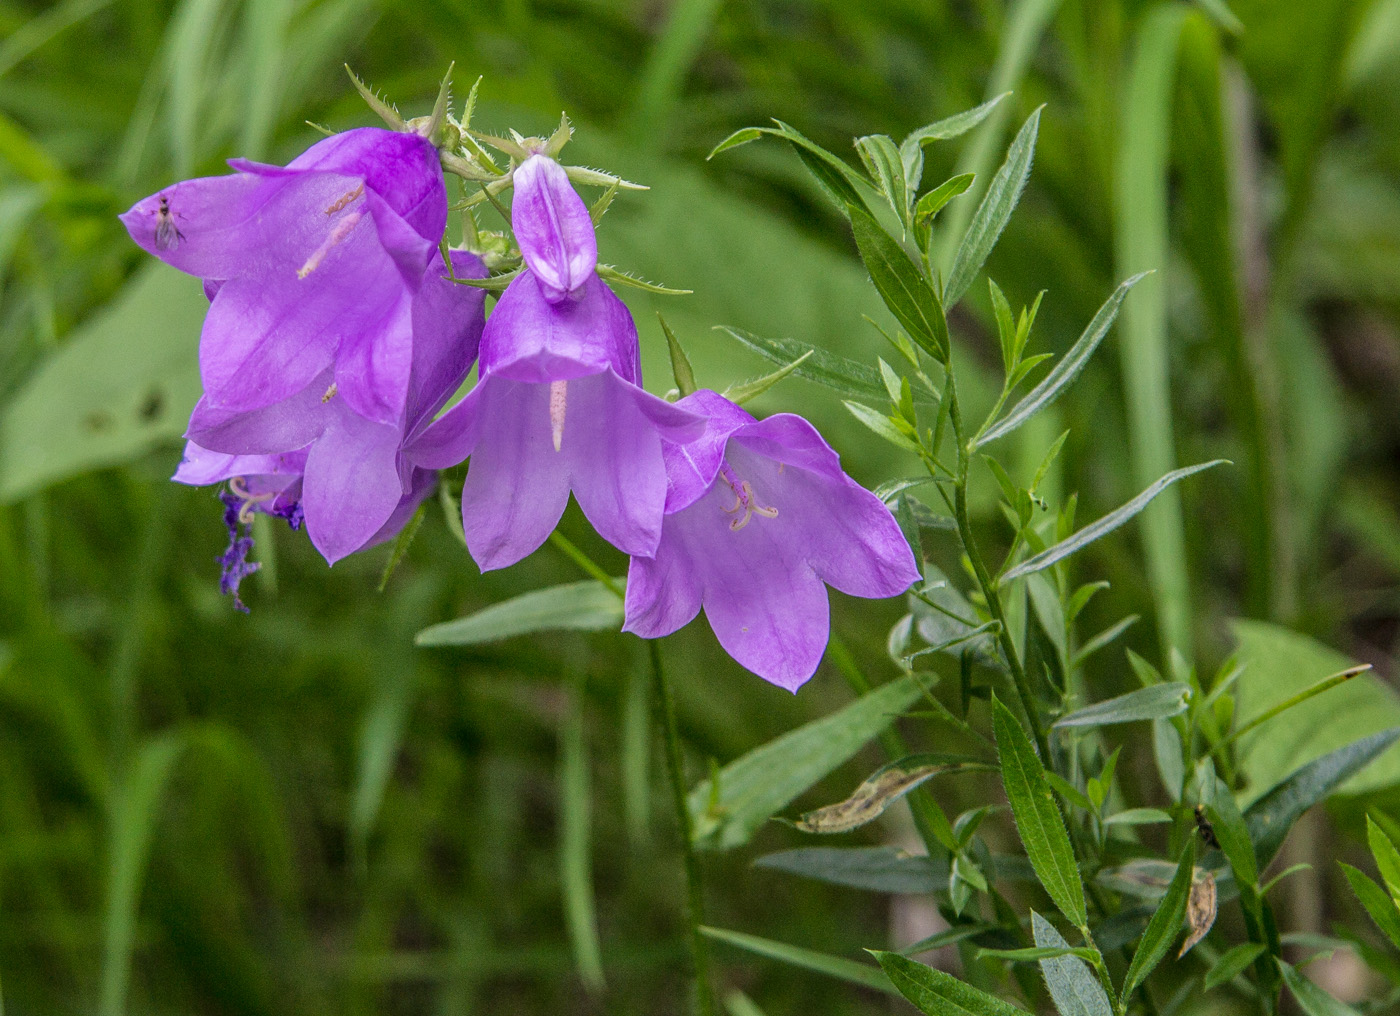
x=296, y=811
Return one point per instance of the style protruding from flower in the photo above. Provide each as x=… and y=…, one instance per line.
x=352, y=480
x=760, y=518
x=311, y=268
x=558, y=407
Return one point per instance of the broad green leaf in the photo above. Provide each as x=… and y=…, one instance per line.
x=752, y=789
x=1278, y=664
x=1272, y=815
x=1038, y=819
x=877, y=869
x=1310, y=998
x=1155, y=703
x=1165, y=924
x=1103, y=526
x=1377, y=902
x=911, y=149
x=1064, y=373
x=1232, y=964
x=576, y=843
x=994, y=212
x=901, y=284
x=935, y=993
x=848, y=377
x=574, y=606
x=1072, y=985
x=1138, y=816
x=1387, y=857
x=883, y=787
x=808, y=959
x=120, y=384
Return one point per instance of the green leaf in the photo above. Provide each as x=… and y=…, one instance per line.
x=877, y=869
x=749, y=390
x=1232, y=964
x=1166, y=921
x=1038, y=819
x=756, y=786
x=1103, y=526
x=901, y=285
x=848, y=377
x=1310, y=998
x=1233, y=836
x=680, y=363
x=1377, y=902
x=1387, y=857
x=880, y=424
x=836, y=179
x=881, y=158
x=935, y=993
x=882, y=788
x=1155, y=703
x=576, y=843
x=932, y=203
x=1138, y=816
x=575, y=606
x=1034, y=954
x=994, y=211
x=1067, y=370
x=808, y=959
x=951, y=936
x=911, y=149
x=120, y=384
x=1271, y=816
x=1072, y=985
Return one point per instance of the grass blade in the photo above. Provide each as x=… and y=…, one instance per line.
x=808, y=959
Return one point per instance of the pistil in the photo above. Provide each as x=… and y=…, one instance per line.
x=558, y=403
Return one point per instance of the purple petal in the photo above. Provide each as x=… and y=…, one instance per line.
x=352, y=485
x=200, y=467
x=517, y=484
x=204, y=226
x=292, y=423
x=421, y=483
x=692, y=467
x=452, y=436
x=372, y=368
x=527, y=338
x=663, y=592
x=447, y=323
x=553, y=227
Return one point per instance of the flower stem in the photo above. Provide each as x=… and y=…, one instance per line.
x=695, y=901
x=585, y=562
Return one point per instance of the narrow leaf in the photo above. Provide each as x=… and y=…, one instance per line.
x=680, y=363
x=1387, y=857
x=911, y=149
x=901, y=285
x=1155, y=703
x=1166, y=922
x=1038, y=819
x=1310, y=998
x=880, y=424
x=1072, y=985
x=1377, y=902
x=882, y=158
x=575, y=606
x=935, y=993
x=753, y=788
x=1103, y=526
x=1232, y=964
x=932, y=203
x=748, y=390
x=848, y=377
x=1037, y=953
x=808, y=959
x=876, y=869
x=1138, y=816
x=882, y=788
x=994, y=211
x=1067, y=370
x=1269, y=818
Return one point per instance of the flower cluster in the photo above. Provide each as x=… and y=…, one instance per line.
x=336, y=333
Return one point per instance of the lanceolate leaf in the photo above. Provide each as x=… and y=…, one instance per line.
x=1064, y=373
x=901, y=285
x=836, y=178
x=847, y=377
x=935, y=993
x=877, y=869
x=1270, y=817
x=1154, y=703
x=1072, y=985
x=911, y=149
x=1310, y=998
x=882, y=788
x=576, y=606
x=1387, y=857
x=1103, y=526
x=1232, y=964
x=1377, y=902
x=1166, y=922
x=1038, y=819
x=994, y=212
x=753, y=788
x=809, y=959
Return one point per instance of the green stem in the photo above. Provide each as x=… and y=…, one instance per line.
x=984, y=580
x=585, y=562
x=695, y=901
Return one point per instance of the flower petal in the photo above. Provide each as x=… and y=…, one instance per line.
x=351, y=486
x=517, y=484
x=292, y=423
x=527, y=338
x=553, y=227
x=691, y=467
x=372, y=368
x=447, y=323
x=663, y=592
x=200, y=467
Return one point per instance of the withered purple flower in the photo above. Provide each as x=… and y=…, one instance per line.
x=558, y=407
x=759, y=515
x=311, y=268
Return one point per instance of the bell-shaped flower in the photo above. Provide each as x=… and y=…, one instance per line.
x=354, y=478
x=558, y=407
x=311, y=268
x=758, y=516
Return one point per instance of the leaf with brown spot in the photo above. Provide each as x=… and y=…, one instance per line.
x=885, y=786
x=1200, y=909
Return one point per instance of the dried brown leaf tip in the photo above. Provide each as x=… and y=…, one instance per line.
x=1200, y=909
x=885, y=786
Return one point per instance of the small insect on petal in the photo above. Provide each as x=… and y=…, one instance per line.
x=168, y=237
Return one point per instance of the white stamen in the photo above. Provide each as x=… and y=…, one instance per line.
x=345, y=199
x=339, y=233
x=558, y=402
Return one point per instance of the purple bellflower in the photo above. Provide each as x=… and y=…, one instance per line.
x=558, y=407
x=758, y=516
x=311, y=268
x=350, y=476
